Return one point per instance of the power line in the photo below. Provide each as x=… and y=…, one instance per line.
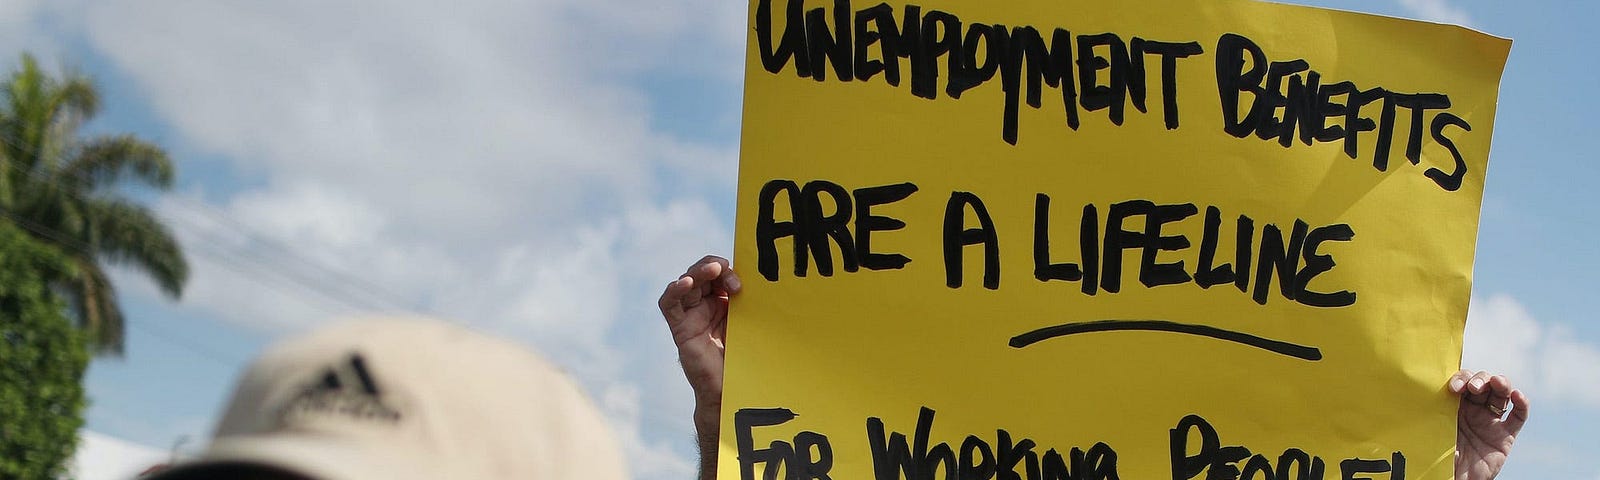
x=350, y=284
x=254, y=267
x=257, y=272
x=74, y=243
x=263, y=268
x=368, y=296
x=64, y=239
x=184, y=342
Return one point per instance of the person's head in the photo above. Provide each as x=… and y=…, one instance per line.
x=405, y=399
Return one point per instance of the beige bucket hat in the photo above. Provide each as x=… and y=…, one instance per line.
x=408, y=399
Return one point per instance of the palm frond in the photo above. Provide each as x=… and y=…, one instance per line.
x=94, y=302
x=127, y=233
x=21, y=130
x=44, y=113
x=74, y=99
x=105, y=160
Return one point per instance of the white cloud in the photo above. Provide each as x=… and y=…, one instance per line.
x=1545, y=360
x=32, y=27
x=624, y=403
x=1501, y=335
x=1569, y=369
x=1437, y=11
x=20, y=30
x=102, y=457
x=490, y=161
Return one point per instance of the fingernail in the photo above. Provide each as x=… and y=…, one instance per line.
x=1477, y=384
x=1456, y=384
x=733, y=283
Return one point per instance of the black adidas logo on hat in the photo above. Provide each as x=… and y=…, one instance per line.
x=345, y=389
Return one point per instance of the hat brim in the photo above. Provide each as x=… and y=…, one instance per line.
x=312, y=456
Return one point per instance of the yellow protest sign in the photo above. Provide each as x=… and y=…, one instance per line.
x=1046, y=239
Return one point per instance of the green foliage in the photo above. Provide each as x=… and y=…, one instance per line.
x=42, y=360
x=61, y=187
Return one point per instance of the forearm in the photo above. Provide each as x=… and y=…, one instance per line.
x=695, y=307
x=707, y=420
x=704, y=373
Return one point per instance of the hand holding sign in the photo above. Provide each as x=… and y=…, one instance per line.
x=696, y=309
x=1484, y=430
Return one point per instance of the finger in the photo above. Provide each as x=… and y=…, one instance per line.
x=1497, y=395
x=671, y=301
x=1499, y=389
x=705, y=273
x=1458, y=382
x=1479, y=383
x=708, y=268
x=698, y=293
x=730, y=281
x=716, y=276
x=1519, y=415
x=684, y=293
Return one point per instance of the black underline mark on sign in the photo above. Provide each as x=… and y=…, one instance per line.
x=1279, y=347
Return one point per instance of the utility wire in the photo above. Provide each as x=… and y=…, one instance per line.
x=74, y=243
x=254, y=267
x=259, y=271
x=352, y=285
x=367, y=297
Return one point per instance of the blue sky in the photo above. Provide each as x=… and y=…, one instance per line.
x=539, y=169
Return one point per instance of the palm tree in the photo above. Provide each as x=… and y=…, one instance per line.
x=63, y=190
